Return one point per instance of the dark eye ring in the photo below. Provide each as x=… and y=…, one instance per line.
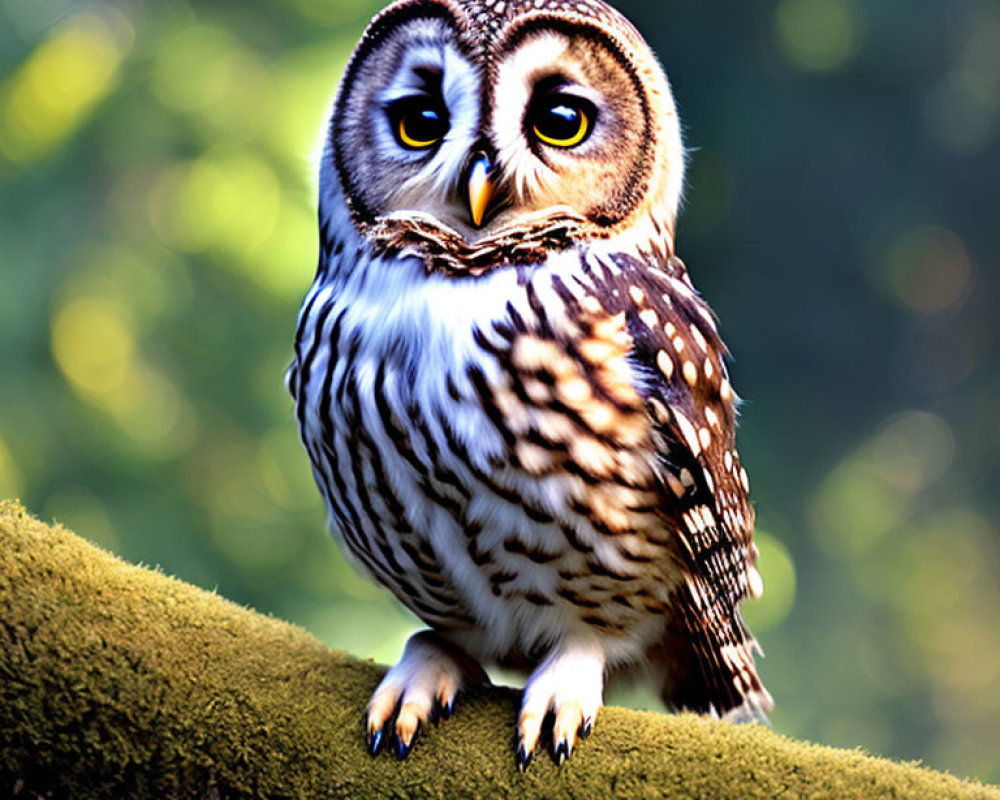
x=562, y=121
x=418, y=124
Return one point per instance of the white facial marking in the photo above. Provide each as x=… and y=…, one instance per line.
x=512, y=96
x=460, y=91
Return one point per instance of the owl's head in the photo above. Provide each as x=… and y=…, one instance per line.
x=489, y=131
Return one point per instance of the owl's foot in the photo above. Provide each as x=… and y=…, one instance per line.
x=568, y=687
x=421, y=688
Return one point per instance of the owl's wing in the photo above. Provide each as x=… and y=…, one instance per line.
x=679, y=360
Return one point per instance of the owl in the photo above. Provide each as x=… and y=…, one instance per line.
x=516, y=405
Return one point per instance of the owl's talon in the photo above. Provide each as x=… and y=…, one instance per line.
x=443, y=709
x=524, y=758
x=375, y=740
x=568, y=719
x=403, y=746
x=586, y=729
x=529, y=730
x=421, y=688
x=566, y=690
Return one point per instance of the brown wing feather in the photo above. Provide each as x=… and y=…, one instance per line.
x=677, y=354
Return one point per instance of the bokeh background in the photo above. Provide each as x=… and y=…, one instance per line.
x=843, y=217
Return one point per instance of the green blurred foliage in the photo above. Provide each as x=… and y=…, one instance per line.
x=157, y=233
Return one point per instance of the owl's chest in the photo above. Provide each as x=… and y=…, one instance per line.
x=479, y=452
x=398, y=436
x=391, y=362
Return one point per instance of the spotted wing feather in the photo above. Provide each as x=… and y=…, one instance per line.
x=679, y=359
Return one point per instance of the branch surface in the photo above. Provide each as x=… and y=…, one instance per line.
x=119, y=682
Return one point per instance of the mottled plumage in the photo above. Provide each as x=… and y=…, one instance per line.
x=516, y=405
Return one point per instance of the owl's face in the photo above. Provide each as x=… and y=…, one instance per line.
x=463, y=123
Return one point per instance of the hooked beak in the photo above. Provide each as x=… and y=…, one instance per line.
x=481, y=187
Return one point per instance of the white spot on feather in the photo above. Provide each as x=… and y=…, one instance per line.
x=689, y=432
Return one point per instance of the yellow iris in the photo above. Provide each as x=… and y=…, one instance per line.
x=562, y=126
x=419, y=128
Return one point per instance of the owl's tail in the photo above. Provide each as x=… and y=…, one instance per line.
x=707, y=659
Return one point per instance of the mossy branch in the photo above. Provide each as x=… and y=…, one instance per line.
x=117, y=681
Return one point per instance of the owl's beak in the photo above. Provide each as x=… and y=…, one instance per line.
x=481, y=187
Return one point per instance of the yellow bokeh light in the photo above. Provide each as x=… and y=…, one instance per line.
x=341, y=13
x=817, y=35
x=873, y=491
x=285, y=263
x=227, y=483
x=228, y=201
x=183, y=201
x=945, y=601
x=152, y=282
x=93, y=344
x=150, y=409
x=51, y=95
x=948, y=571
x=256, y=202
x=226, y=480
x=855, y=508
x=194, y=70
x=965, y=653
x=284, y=472
x=205, y=71
x=778, y=573
x=914, y=450
x=929, y=270
x=11, y=479
x=306, y=80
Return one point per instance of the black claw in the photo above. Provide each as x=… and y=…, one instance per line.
x=524, y=758
x=562, y=753
x=586, y=729
x=403, y=749
x=448, y=709
x=435, y=716
x=375, y=742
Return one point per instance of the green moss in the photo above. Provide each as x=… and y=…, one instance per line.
x=116, y=681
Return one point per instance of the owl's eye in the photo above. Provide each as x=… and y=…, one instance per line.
x=562, y=121
x=418, y=124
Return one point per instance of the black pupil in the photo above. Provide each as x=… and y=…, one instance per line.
x=424, y=124
x=559, y=122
